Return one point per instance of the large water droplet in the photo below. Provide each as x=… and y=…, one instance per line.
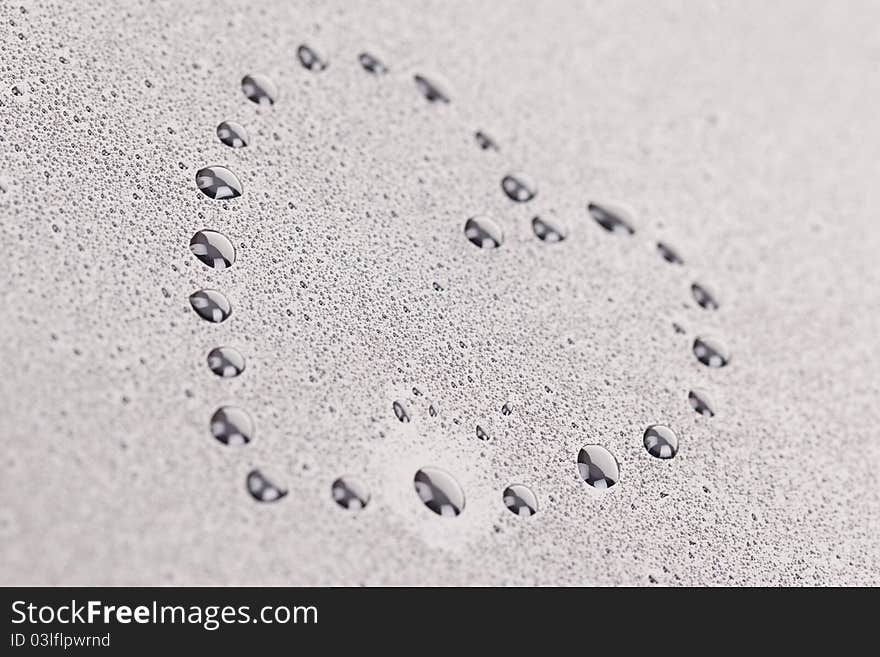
x=520, y=500
x=439, y=491
x=661, y=441
x=485, y=141
x=232, y=426
x=372, y=64
x=481, y=433
x=218, y=183
x=431, y=90
x=704, y=297
x=701, y=402
x=546, y=231
x=310, y=59
x=669, y=254
x=711, y=352
x=400, y=411
x=598, y=467
x=519, y=187
x=226, y=362
x=263, y=490
x=350, y=493
x=211, y=305
x=213, y=248
x=232, y=134
x=483, y=232
x=612, y=218
x=259, y=89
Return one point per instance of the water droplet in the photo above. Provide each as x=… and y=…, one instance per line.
x=520, y=500
x=226, y=362
x=669, y=254
x=232, y=426
x=232, y=134
x=400, y=411
x=372, y=64
x=481, y=434
x=433, y=411
x=439, y=491
x=702, y=403
x=507, y=409
x=546, y=231
x=432, y=91
x=703, y=297
x=350, y=493
x=263, y=490
x=661, y=441
x=519, y=187
x=218, y=183
x=213, y=249
x=310, y=59
x=485, y=141
x=711, y=352
x=259, y=89
x=598, y=467
x=483, y=232
x=211, y=305
x=612, y=218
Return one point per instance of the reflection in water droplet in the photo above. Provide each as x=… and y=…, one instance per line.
x=520, y=500
x=259, y=89
x=211, y=305
x=668, y=254
x=232, y=134
x=232, y=426
x=226, y=362
x=372, y=64
x=483, y=232
x=439, y=491
x=701, y=402
x=432, y=91
x=481, y=434
x=612, y=219
x=400, y=411
x=703, y=297
x=310, y=59
x=547, y=232
x=519, y=187
x=350, y=493
x=263, y=490
x=598, y=467
x=711, y=352
x=218, y=183
x=661, y=442
x=485, y=141
x=213, y=249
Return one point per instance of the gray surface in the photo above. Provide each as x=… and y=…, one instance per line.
x=744, y=134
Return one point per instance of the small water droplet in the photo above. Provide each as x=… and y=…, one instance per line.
x=485, y=141
x=546, y=231
x=263, y=490
x=507, y=409
x=400, y=411
x=483, y=232
x=520, y=500
x=612, y=218
x=433, y=411
x=704, y=297
x=226, y=362
x=211, y=305
x=213, y=249
x=711, y=352
x=432, y=91
x=519, y=187
x=232, y=426
x=350, y=493
x=218, y=183
x=259, y=89
x=310, y=59
x=661, y=441
x=232, y=134
x=669, y=254
x=481, y=434
x=598, y=467
x=439, y=491
x=678, y=328
x=702, y=403
x=372, y=64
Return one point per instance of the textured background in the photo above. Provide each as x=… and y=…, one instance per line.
x=744, y=134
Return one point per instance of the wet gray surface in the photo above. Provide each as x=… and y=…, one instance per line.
x=744, y=137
